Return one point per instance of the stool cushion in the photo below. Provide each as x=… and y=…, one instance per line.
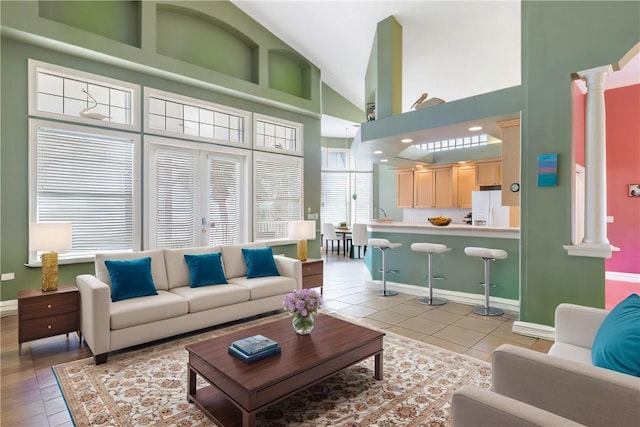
x=430, y=248
x=383, y=243
x=485, y=252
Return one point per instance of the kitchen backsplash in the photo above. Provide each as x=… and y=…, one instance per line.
x=421, y=215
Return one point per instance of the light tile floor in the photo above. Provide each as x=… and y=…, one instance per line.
x=452, y=326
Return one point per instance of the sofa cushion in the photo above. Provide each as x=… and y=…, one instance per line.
x=158, y=270
x=233, y=261
x=263, y=287
x=260, y=262
x=571, y=352
x=208, y=297
x=178, y=273
x=143, y=310
x=131, y=278
x=616, y=345
x=205, y=270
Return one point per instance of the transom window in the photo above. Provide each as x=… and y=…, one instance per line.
x=173, y=114
x=277, y=135
x=81, y=97
x=455, y=143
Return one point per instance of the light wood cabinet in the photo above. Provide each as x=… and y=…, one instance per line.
x=405, y=189
x=489, y=173
x=443, y=188
x=510, y=161
x=466, y=183
x=423, y=184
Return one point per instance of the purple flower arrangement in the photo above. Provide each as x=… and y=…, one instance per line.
x=303, y=302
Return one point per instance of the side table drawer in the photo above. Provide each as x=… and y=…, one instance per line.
x=47, y=306
x=312, y=268
x=48, y=326
x=314, y=281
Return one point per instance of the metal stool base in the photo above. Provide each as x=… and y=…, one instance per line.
x=387, y=293
x=432, y=301
x=487, y=311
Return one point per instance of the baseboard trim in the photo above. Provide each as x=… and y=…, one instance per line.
x=8, y=307
x=622, y=277
x=534, y=330
x=513, y=306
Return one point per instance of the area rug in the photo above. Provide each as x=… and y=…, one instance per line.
x=147, y=387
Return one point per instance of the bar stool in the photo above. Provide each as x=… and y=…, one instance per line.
x=430, y=249
x=487, y=255
x=384, y=245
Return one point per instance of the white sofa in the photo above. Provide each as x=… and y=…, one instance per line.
x=561, y=388
x=108, y=326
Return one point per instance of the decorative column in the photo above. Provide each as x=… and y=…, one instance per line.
x=595, y=157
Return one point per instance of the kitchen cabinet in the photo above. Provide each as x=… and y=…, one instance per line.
x=466, y=183
x=489, y=173
x=443, y=188
x=405, y=189
x=510, y=161
x=423, y=194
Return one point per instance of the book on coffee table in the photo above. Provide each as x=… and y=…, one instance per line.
x=254, y=344
x=254, y=357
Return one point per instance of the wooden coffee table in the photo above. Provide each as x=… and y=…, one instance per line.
x=239, y=390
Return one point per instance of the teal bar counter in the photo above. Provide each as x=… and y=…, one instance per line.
x=462, y=274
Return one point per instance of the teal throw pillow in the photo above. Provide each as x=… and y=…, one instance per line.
x=131, y=278
x=205, y=269
x=260, y=262
x=616, y=345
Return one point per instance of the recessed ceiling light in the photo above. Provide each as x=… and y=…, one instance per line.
x=384, y=160
x=475, y=128
x=377, y=152
x=406, y=140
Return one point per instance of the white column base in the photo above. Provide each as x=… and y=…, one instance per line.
x=594, y=250
x=534, y=330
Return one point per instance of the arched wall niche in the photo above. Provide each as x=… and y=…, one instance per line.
x=289, y=73
x=203, y=40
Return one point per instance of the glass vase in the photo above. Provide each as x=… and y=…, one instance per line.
x=303, y=325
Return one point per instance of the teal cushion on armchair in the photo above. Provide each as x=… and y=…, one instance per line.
x=616, y=345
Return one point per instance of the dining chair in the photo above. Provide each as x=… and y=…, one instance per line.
x=359, y=238
x=329, y=233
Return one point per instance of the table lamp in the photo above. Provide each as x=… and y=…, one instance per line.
x=51, y=237
x=302, y=231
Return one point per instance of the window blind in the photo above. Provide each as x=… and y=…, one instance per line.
x=225, y=201
x=86, y=179
x=334, y=188
x=363, y=182
x=277, y=194
x=175, y=198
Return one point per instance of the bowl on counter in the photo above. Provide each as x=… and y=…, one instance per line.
x=440, y=221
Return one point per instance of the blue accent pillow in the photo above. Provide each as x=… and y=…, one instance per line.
x=616, y=345
x=260, y=262
x=130, y=278
x=205, y=269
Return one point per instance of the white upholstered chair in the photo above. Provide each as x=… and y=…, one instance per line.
x=359, y=238
x=329, y=233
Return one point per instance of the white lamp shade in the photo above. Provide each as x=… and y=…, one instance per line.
x=50, y=236
x=302, y=230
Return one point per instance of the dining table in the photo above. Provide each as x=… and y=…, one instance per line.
x=345, y=232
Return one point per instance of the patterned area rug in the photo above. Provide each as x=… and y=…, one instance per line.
x=148, y=387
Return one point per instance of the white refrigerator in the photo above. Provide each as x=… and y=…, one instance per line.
x=487, y=209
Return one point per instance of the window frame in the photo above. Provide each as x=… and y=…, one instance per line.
x=64, y=258
x=199, y=103
x=299, y=128
x=34, y=68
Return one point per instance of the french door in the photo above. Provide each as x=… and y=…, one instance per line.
x=197, y=195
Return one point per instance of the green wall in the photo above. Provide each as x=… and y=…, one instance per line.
x=17, y=46
x=558, y=39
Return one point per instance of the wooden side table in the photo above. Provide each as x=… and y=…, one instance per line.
x=45, y=314
x=312, y=274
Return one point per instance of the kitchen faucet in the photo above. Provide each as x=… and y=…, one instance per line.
x=383, y=212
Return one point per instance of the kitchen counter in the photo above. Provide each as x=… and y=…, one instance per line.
x=462, y=274
x=448, y=230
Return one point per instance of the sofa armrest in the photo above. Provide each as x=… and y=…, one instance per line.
x=577, y=324
x=290, y=267
x=95, y=322
x=583, y=393
x=472, y=406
